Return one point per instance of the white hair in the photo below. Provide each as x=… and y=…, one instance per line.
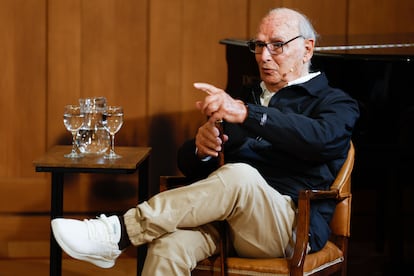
x=304, y=24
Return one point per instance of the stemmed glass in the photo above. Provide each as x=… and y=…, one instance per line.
x=73, y=120
x=112, y=121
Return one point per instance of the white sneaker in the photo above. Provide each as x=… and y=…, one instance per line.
x=94, y=240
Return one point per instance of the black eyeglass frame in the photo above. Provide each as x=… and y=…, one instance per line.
x=275, y=46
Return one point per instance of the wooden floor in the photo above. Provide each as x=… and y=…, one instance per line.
x=127, y=267
x=362, y=266
x=363, y=260
x=70, y=267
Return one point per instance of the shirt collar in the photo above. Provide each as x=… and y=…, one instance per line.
x=297, y=81
x=303, y=79
x=266, y=94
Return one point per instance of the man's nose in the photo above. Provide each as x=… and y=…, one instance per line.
x=265, y=55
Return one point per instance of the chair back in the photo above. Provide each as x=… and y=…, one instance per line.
x=340, y=223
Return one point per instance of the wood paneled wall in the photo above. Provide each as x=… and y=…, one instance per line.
x=141, y=54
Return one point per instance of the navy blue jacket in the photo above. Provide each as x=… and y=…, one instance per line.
x=299, y=141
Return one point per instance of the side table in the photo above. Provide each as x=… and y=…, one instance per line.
x=133, y=159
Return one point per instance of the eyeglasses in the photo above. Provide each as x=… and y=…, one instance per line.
x=274, y=48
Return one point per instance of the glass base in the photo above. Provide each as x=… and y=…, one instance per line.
x=112, y=155
x=73, y=155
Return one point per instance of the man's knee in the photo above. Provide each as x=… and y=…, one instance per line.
x=242, y=169
x=240, y=174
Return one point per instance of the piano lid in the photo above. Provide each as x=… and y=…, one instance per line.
x=398, y=45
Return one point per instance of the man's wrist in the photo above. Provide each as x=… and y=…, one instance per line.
x=247, y=111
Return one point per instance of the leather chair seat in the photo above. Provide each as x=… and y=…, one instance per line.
x=330, y=255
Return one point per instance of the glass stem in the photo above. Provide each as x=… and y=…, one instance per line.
x=74, y=142
x=112, y=144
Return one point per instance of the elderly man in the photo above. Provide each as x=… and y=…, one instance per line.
x=291, y=131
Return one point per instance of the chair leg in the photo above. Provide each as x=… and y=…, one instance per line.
x=223, y=248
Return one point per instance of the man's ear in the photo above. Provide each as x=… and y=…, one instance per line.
x=309, y=46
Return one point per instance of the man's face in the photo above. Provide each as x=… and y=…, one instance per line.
x=278, y=69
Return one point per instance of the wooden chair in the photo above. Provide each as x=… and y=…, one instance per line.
x=331, y=259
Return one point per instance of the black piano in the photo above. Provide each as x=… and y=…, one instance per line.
x=380, y=77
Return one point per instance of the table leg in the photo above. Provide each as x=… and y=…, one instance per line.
x=143, y=180
x=56, y=210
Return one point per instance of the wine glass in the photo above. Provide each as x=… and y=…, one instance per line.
x=73, y=120
x=112, y=121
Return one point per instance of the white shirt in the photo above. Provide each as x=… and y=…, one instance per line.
x=267, y=95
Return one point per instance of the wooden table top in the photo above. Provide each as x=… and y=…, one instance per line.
x=54, y=158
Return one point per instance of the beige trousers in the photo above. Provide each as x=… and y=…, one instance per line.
x=176, y=223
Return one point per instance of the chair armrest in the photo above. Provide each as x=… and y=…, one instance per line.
x=321, y=194
x=303, y=220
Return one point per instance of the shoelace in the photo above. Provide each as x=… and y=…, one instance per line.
x=97, y=232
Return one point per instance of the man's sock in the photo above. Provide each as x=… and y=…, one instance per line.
x=124, y=242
